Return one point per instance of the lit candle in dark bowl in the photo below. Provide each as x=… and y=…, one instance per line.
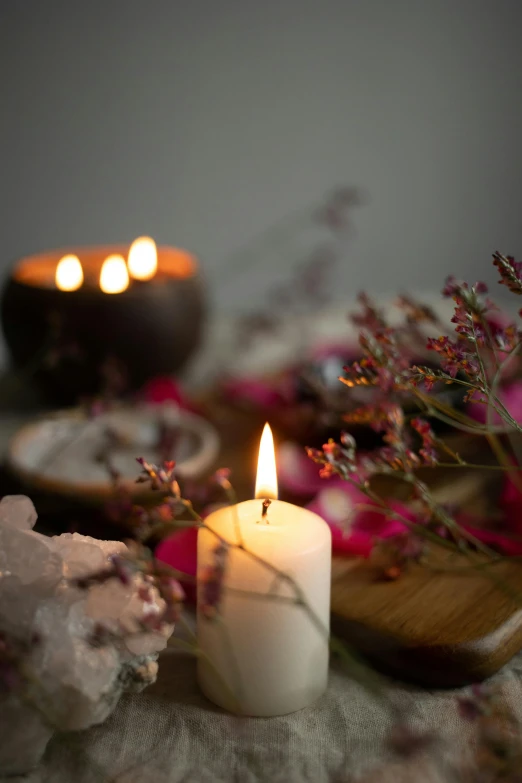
x=71, y=314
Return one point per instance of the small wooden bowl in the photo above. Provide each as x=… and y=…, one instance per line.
x=56, y=454
x=152, y=328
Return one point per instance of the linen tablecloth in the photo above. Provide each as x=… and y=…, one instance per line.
x=171, y=734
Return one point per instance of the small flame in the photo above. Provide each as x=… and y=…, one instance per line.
x=266, y=479
x=143, y=259
x=114, y=277
x=69, y=273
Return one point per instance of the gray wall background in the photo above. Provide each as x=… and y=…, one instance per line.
x=203, y=122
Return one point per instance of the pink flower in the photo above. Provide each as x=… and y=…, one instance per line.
x=354, y=530
x=500, y=542
x=255, y=392
x=454, y=357
x=164, y=389
x=510, y=502
x=510, y=497
x=180, y=552
x=356, y=526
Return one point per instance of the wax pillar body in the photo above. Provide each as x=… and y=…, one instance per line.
x=266, y=656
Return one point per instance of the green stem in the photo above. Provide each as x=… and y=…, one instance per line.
x=506, y=416
x=476, y=465
x=432, y=408
x=182, y=621
x=491, y=437
x=392, y=514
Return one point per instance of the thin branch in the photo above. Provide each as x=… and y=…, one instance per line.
x=474, y=465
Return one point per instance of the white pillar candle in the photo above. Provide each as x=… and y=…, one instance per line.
x=262, y=654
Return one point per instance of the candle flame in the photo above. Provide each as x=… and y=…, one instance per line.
x=266, y=479
x=114, y=277
x=69, y=273
x=143, y=259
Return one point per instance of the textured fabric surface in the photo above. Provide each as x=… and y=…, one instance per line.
x=172, y=734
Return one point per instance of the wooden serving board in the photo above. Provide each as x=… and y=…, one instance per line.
x=445, y=626
x=438, y=628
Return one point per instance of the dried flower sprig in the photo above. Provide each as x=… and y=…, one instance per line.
x=212, y=580
x=212, y=583
x=498, y=753
x=138, y=566
x=310, y=284
x=474, y=358
x=510, y=272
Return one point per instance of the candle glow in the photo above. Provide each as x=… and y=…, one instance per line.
x=69, y=273
x=280, y=658
x=142, y=261
x=266, y=479
x=114, y=277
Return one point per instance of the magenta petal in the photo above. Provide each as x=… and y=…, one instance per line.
x=497, y=541
x=347, y=351
x=510, y=496
x=510, y=501
x=383, y=526
x=357, y=543
x=478, y=412
x=253, y=391
x=499, y=319
x=180, y=551
x=163, y=389
x=511, y=398
x=354, y=532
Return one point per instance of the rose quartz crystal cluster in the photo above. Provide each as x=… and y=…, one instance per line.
x=68, y=683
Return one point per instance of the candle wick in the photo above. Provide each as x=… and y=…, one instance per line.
x=266, y=505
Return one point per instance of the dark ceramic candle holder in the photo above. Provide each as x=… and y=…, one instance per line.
x=69, y=339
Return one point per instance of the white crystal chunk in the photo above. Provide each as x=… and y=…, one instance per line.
x=18, y=511
x=75, y=684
